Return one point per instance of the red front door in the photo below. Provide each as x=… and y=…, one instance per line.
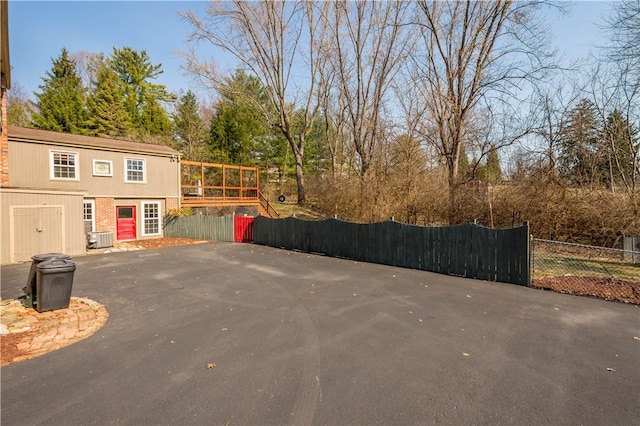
x=126, y=222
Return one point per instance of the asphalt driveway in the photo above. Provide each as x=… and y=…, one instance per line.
x=227, y=333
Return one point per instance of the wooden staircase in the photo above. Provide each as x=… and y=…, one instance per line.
x=266, y=208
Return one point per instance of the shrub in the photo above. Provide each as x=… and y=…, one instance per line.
x=182, y=211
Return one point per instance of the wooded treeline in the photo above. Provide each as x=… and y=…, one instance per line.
x=430, y=112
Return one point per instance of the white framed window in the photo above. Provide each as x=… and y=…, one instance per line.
x=151, y=218
x=102, y=168
x=64, y=165
x=135, y=170
x=89, y=215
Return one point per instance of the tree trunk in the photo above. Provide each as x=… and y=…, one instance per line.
x=298, y=155
x=300, y=179
x=453, y=199
x=452, y=174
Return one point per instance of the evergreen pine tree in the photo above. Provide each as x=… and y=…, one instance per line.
x=237, y=128
x=154, y=119
x=480, y=169
x=618, y=160
x=142, y=98
x=107, y=112
x=492, y=171
x=231, y=133
x=317, y=157
x=464, y=167
x=189, y=129
x=61, y=105
x=579, y=145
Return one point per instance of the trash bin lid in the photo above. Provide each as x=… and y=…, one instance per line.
x=58, y=265
x=50, y=256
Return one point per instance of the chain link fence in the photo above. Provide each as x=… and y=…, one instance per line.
x=610, y=274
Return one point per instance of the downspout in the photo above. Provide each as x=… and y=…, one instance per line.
x=179, y=182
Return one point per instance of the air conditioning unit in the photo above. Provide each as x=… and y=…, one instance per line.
x=98, y=240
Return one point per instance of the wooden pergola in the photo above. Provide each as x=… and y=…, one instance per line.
x=220, y=185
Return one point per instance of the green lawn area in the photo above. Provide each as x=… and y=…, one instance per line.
x=547, y=265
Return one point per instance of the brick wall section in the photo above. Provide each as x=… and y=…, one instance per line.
x=4, y=139
x=106, y=215
x=172, y=203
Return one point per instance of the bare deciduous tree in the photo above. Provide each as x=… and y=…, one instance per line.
x=616, y=82
x=88, y=65
x=474, y=55
x=544, y=147
x=269, y=40
x=614, y=88
x=370, y=42
x=331, y=107
x=19, y=106
x=624, y=25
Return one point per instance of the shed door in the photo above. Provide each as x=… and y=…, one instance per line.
x=37, y=230
x=126, y=222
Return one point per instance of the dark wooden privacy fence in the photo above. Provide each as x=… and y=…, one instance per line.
x=469, y=250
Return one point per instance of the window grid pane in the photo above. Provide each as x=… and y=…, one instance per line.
x=88, y=211
x=152, y=218
x=64, y=165
x=135, y=170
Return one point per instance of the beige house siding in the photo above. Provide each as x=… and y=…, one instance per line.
x=35, y=222
x=44, y=212
x=161, y=173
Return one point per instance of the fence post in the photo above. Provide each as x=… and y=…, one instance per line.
x=529, y=254
x=632, y=249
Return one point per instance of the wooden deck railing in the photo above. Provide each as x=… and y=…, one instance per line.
x=220, y=185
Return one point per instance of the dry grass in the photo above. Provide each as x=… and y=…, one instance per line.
x=287, y=209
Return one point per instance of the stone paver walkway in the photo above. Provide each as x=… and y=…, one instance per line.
x=26, y=333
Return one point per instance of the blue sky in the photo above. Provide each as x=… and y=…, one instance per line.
x=38, y=30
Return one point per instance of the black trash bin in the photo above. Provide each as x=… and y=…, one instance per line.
x=30, y=289
x=54, y=280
